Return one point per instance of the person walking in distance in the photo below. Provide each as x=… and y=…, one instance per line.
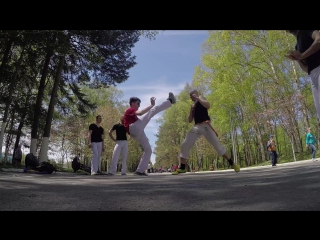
x=199, y=113
x=95, y=141
x=135, y=126
x=307, y=54
x=271, y=146
x=120, y=147
x=310, y=144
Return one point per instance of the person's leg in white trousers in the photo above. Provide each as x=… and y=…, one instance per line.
x=137, y=133
x=96, y=151
x=145, y=159
x=124, y=153
x=115, y=157
x=120, y=147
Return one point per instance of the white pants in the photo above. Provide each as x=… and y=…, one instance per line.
x=315, y=82
x=192, y=136
x=96, y=151
x=137, y=132
x=120, y=147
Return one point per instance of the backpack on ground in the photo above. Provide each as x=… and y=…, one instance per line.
x=32, y=162
x=46, y=167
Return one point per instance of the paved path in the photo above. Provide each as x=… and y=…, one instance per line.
x=292, y=186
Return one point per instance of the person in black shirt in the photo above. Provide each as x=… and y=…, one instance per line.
x=199, y=113
x=307, y=54
x=95, y=141
x=120, y=147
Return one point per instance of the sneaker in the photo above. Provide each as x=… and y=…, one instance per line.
x=110, y=174
x=236, y=167
x=172, y=98
x=123, y=174
x=178, y=171
x=140, y=174
x=314, y=160
x=94, y=173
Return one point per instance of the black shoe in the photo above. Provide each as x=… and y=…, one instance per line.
x=140, y=174
x=172, y=98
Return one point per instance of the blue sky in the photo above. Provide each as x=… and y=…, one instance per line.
x=164, y=65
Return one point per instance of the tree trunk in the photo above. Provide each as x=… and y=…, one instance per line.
x=9, y=100
x=9, y=135
x=38, y=144
x=37, y=108
x=67, y=160
x=233, y=140
x=19, y=131
x=292, y=145
x=5, y=58
x=53, y=100
x=261, y=144
x=62, y=148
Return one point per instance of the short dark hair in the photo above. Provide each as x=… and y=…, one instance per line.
x=134, y=99
x=99, y=116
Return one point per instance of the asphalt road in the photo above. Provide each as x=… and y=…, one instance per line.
x=288, y=187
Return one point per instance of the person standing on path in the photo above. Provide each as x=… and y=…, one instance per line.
x=95, y=141
x=310, y=144
x=120, y=147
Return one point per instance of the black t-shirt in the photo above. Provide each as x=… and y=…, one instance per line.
x=200, y=113
x=304, y=41
x=120, y=132
x=96, y=133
